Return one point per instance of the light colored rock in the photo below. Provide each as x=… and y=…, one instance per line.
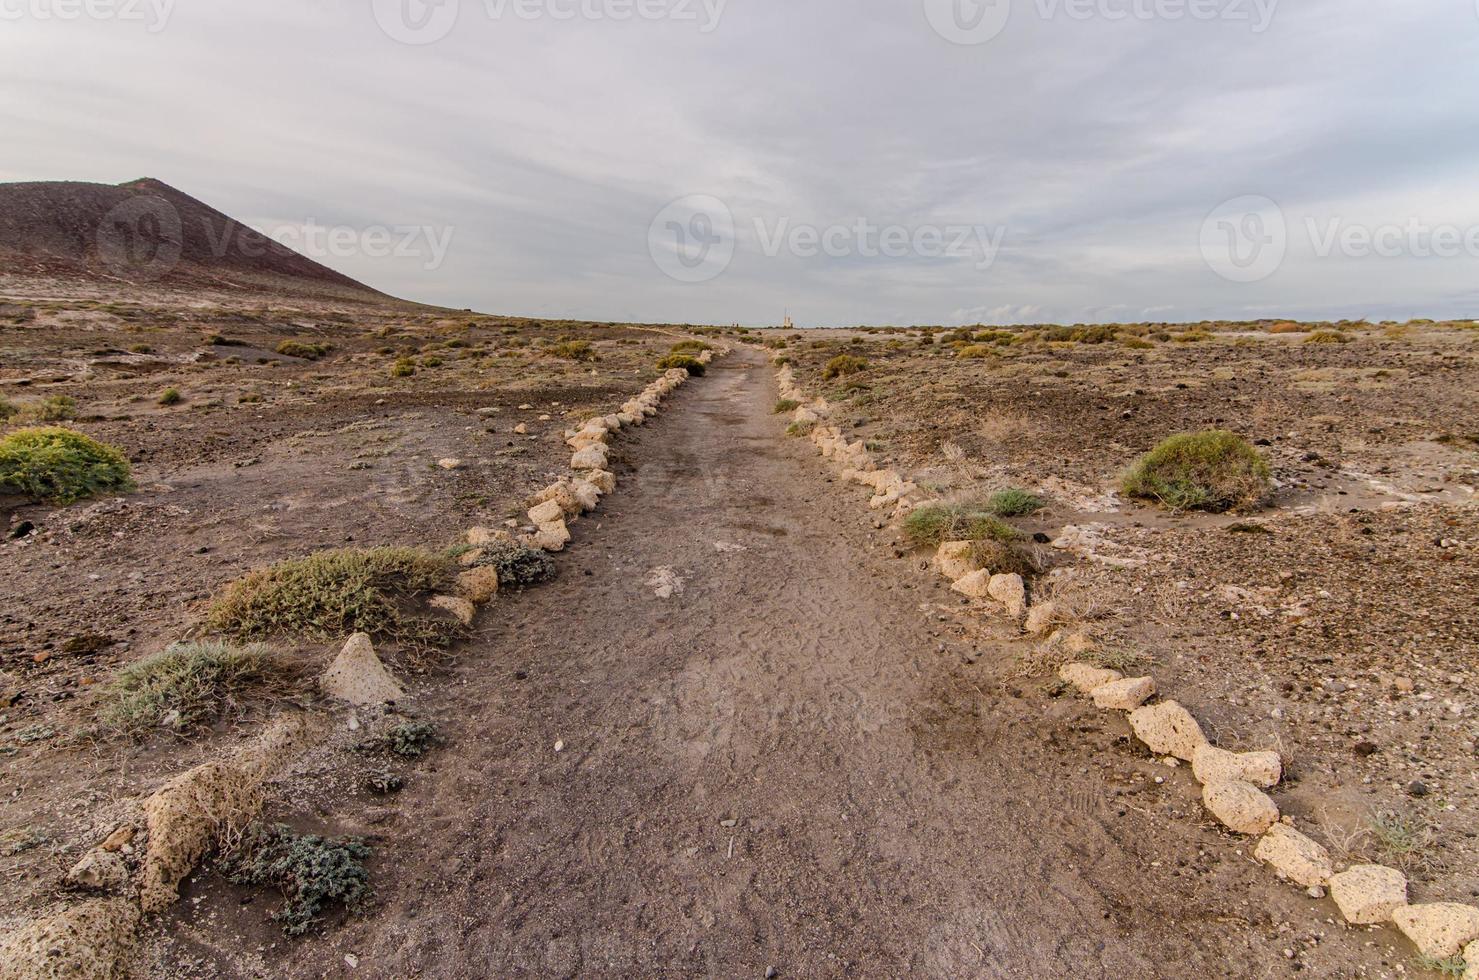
x=1042, y=617
x=470, y=558
x=99, y=870
x=1125, y=694
x=548, y=511
x=1086, y=677
x=1168, y=729
x=583, y=440
x=602, y=480
x=590, y=458
x=976, y=585
x=587, y=495
x=478, y=585
x=1075, y=644
x=450, y=464
x=89, y=940
x=953, y=559
x=1471, y=962
x=358, y=676
x=1211, y=764
x=521, y=429
x=1439, y=929
x=1010, y=591
x=1241, y=807
x=462, y=608
x=1294, y=857
x=482, y=537
x=1368, y=894
x=552, y=536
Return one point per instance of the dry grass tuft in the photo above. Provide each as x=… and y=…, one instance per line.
x=189, y=684
x=332, y=594
x=1213, y=471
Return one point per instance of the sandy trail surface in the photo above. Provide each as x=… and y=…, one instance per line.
x=767, y=761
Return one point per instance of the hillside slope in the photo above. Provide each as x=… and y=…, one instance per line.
x=146, y=232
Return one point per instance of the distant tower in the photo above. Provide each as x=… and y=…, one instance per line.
x=786, y=324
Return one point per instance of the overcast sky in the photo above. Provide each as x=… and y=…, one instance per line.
x=851, y=161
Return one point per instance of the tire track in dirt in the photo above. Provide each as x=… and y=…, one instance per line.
x=793, y=686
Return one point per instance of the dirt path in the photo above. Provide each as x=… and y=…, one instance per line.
x=889, y=821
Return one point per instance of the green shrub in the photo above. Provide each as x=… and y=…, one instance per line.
x=8, y=410
x=692, y=365
x=1013, y=502
x=1192, y=337
x=843, y=364
x=60, y=466
x=170, y=396
x=431, y=361
x=57, y=408
x=517, y=565
x=800, y=429
x=1327, y=337
x=1136, y=343
x=307, y=350
x=975, y=351
x=310, y=872
x=933, y=524
x=785, y=405
x=409, y=739
x=1094, y=335
x=690, y=346
x=141, y=349
x=403, y=368
x=1213, y=471
x=185, y=685
x=574, y=350
x=327, y=595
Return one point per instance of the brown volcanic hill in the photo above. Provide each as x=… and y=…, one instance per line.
x=145, y=231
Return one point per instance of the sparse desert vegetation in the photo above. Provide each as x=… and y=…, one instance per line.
x=60, y=466
x=189, y=684
x=1283, y=529
x=336, y=593
x=1213, y=471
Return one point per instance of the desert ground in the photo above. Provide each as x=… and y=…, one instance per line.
x=748, y=729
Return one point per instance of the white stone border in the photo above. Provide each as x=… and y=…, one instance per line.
x=180, y=821
x=1232, y=784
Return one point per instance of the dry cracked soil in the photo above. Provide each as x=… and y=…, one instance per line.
x=734, y=737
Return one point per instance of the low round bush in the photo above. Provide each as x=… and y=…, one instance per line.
x=843, y=364
x=692, y=365
x=933, y=524
x=60, y=466
x=1213, y=471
